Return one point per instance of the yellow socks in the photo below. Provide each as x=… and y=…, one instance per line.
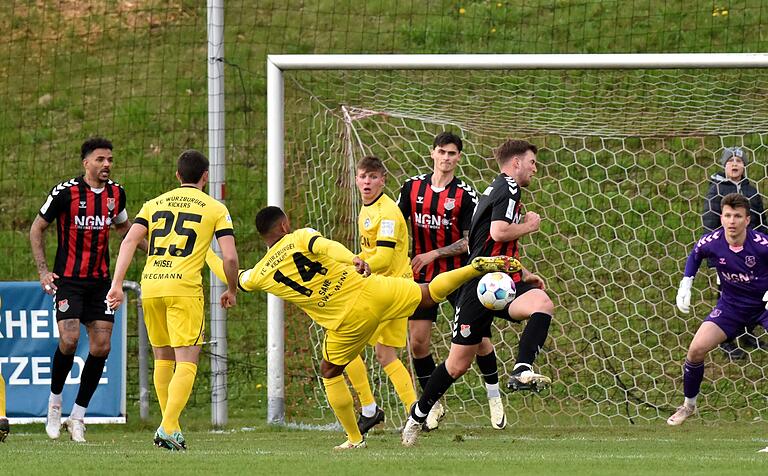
x=446, y=283
x=402, y=381
x=357, y=373
x=341, y=402
x=179, y=391
x=2, y=396
x=162, y=378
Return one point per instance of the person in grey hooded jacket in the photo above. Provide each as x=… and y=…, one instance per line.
x=733, y=180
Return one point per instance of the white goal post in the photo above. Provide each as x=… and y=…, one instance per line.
x=278, y=64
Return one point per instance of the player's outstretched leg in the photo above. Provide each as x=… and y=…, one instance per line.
x=448, y=282
x=504, y=264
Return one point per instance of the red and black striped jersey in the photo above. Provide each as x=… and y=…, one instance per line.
x=438, y=218
x=500, y=201
x=84, y=216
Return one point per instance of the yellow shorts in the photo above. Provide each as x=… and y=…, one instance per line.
x=392, y=333
x=175, y=321
x=384, y=303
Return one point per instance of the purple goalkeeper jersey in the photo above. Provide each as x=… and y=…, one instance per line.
x=743, y=271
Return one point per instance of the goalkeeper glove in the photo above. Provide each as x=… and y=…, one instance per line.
x=684, y=295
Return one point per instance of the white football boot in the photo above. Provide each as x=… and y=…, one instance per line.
x=53, y=422
x=682, y=414
x=498, y=417
x=76, y=429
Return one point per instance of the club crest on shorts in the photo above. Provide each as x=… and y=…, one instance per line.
x=63, y=305
x=715, y=312
x=111, y=204
x=750, y=261
x=450, y=203
x=465, y=331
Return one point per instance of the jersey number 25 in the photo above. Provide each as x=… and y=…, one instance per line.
x=178, y=228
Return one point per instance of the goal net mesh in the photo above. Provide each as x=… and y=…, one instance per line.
x=624, y=163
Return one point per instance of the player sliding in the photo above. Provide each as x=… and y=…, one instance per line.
x=740, y=255
x=323, y=278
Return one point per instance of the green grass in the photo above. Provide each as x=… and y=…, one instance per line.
x=693, y=449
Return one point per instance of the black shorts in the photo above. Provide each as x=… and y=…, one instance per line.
x=473, y=321
x=430, y=313
x=83, y=299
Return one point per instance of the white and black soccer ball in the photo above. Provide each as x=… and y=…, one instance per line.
x=496, y=290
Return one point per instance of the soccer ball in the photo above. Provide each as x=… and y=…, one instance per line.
x=496, y=290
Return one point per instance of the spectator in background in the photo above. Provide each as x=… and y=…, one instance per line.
x=733, y=179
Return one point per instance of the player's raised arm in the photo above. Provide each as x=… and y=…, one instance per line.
x=320, y=245
x=380, y=261
x=333, y=249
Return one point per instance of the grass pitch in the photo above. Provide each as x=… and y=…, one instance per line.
x=693, y=449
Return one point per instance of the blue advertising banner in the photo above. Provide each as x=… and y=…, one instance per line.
x=28, y=339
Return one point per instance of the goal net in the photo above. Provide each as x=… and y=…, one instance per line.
x=624, y=163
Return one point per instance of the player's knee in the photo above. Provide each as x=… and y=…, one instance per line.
x=100, y=349
x=696, y=354
x=419, y=346
x=68, y=348
x=546, y=305
x=485, y=348
x=385, y=356
x=457, y=367
x=329, y=370
x=68, y=344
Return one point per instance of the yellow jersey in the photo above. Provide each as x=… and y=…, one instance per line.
x=298, y=270
x=181, y=225
x=381, y=225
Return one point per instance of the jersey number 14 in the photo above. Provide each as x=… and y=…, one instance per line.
x=307, y=270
